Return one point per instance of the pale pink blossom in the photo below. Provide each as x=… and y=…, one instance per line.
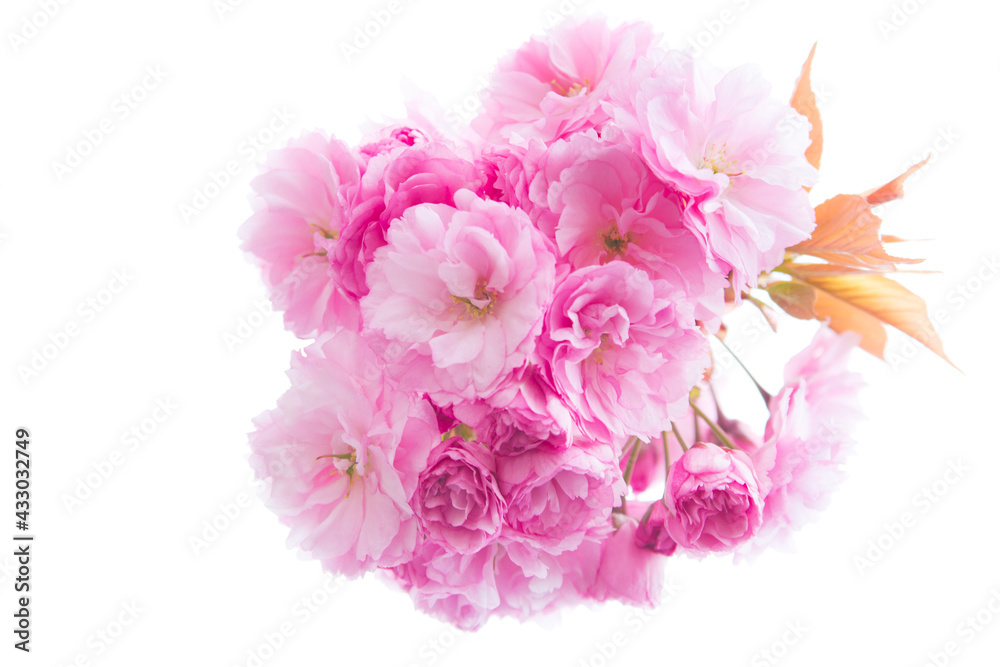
x=299, y=206
x=808, y=436
x=720, y=138
x=624, y=350
x=554, y=85
x=532, y=582
x=341, y=456
x=629, y=573
x=461, y=291
x=460, y=588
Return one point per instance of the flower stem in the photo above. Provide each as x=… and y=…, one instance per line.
x=677, y=434
x=726, y=442
x=631, y=462
x=763, y=393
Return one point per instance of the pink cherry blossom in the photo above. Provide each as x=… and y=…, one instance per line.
x=558, y=497
x=554, y=85
x=458, y=500
x=459, y=588
x=629, y=573
x=525, y=411
x=653, y=533
x=397, y=176
x=713, y=497
x=599, y=202
x=299, y=206
x=720, y=138
x=341, y=456
x=808, y=436
x=623, y=350
x=532, y=582
x=462, y=291
x=508, y=170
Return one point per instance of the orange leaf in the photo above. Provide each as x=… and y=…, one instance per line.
x=804, y=101
x=847, y=234
x=808, y=271
x=862, y=303
x=894, y=188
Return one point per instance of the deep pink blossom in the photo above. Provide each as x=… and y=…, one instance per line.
x=458, y=500
x=559, y=497
x=404, y=170
x=652, y=532
x=713, y=497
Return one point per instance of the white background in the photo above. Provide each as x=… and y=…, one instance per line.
x=888, y=98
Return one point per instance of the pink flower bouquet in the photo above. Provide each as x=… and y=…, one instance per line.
x=507, y=404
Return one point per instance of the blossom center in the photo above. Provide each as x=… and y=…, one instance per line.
x=346, y=464
x=332, y=234
x=717, y=159
x=574, y=89
x=481, y=304
x=614, y=242
x=597, y=356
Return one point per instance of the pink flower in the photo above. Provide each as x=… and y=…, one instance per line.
x=558, y=497
x=714, y=500
x=720, y=138
x=397, y=176
x=628, y=573
x=298, y=207
x=599, y=202
x=808, y=436
x=508, y=169
x=623, y=350
x=341, y=456
x=553, y=86
x=461, y=291
x=533, y=582
x=652, y=532
x=520, y=415
x=459, y=588
x=387, y=139
x=458, y=500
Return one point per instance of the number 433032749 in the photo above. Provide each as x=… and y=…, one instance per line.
x=22, y=482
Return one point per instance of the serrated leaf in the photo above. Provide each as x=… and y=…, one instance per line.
x=804, y=101
x=847, y=234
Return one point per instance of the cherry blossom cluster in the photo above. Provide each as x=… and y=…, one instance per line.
x=506, y=404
